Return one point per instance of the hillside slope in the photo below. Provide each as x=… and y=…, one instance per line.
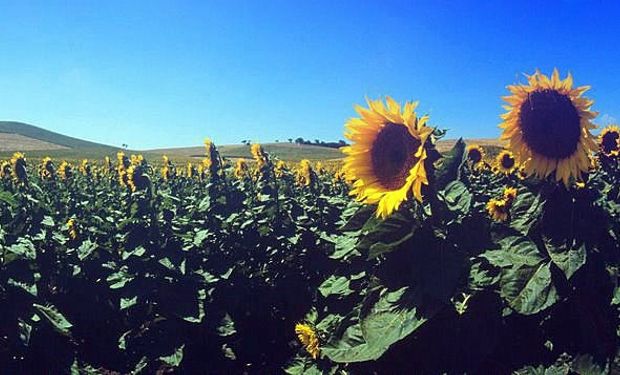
x=40, y=134
x=284, y=151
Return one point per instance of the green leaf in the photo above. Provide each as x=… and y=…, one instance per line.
x=304, y=366
x=346, y=246
x=529, y=290
x=351, y=347
x=23, y=249
x=47, y=221
x=335, y=285
x=86, y=248
x=128, y=302
x=25, y=330
x=450, y=165
x=526, y=211
x=569, y=260
x=175, y=358
x=8, y=198
x=226, y=327
x=382, y=236
x=53, y=316
x=195, y=315
x=118, y=279
x=516, y=251
x=457, y=197
x=30, y=288
x=137, y=252
x=200, y=237
x=390, y=319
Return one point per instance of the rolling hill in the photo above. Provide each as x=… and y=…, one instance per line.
x=284, y=151
x=38, y=142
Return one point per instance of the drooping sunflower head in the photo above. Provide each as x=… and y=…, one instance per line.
x=280, y=168
x=5, y=169
x=609, y=141
x=505, y=162
x=107, y=164
x=498, y=209
x=548, y=126
x=475, y=154
x=47, y=169
x=191, y=170
x=387, y=154
x=72, y=228
x=305, y=174
x=123, y=160
x=137, y=159
x=241, y=169
x=18, y=164
x=65, y=171
x=85, y=168
x=308, y=338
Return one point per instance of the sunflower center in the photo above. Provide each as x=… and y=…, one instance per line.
x=550, y=124
x=393, y=155
x=474, y=155
x=610, y=142
x=508, y=161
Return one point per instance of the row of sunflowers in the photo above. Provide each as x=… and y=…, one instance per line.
x=397, y=258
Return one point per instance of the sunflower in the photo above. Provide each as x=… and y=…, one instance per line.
x=505, y=162
x=47, y=169
x=386, y=158
x=18, y=163
x=72, y=228
x=548, y=125
x=280, y=168
x=305, y=174
x=609, y=141
x=308, y=337
x=65, y=170
x=85, y=168
x=475, y=154
x=241, y=169
x=510, y=194
x=498, y=209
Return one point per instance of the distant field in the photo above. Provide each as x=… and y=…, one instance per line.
x=38, y=143
x=12, y=142
x=283, y=151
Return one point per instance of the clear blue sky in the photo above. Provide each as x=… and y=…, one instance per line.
x=169, y=73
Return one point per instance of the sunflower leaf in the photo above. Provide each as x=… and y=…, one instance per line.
x=450, y=165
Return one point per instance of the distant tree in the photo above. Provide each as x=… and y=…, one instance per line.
x=277, y=141
x=290, y=140
x=125, y=146
x=316, y=141
x=341, y=142
x=299, y=140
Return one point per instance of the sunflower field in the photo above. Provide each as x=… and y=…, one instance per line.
x=399, y=259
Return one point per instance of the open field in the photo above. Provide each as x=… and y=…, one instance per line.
x=38, y=143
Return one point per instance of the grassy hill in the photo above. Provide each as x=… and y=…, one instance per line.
x=34, y=132
x=38, y=142
x=284, y=151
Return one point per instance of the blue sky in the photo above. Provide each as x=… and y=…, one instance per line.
x=169, y=73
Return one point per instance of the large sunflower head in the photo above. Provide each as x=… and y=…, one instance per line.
x=505, y=162
x=386, y=158
x=475, y=154
x=548, y=125
x=609, y=141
